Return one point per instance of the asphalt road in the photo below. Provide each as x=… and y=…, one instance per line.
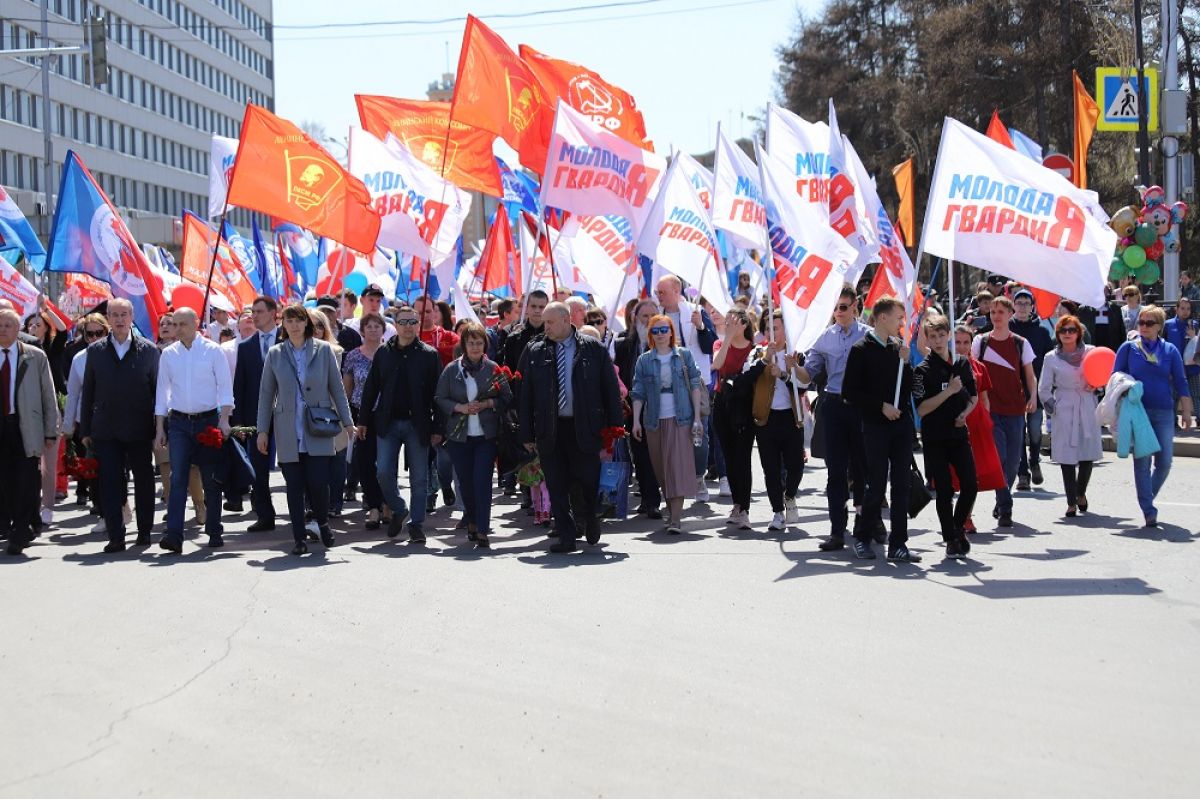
x=1059, y=660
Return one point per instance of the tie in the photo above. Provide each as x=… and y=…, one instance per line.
x=5, y=381
x=266, y=344
x=562, y=378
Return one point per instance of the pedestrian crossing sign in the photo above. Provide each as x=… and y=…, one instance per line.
x=1118, y=97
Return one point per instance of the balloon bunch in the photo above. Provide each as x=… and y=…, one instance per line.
x=1146, y=233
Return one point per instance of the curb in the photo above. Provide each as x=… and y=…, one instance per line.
x=1187, y=445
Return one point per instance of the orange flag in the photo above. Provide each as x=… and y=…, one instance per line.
x=1086, y=114
x=998, y=133
x=497, y=91
x=906, y=215
x=421, y=125
x=607, y=105
x=229, y=279
x=497, y=254
x=881, y=287
x=282, y=172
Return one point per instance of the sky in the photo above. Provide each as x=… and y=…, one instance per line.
x=689, y=64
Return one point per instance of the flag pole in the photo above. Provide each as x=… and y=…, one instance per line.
x=633, y=254
x=550, y=247
x=442, y=175
x=212, y=266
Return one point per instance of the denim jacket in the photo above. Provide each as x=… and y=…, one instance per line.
x=685, y=376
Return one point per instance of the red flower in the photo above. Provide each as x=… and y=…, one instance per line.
x=211, y=437
x=609, y=436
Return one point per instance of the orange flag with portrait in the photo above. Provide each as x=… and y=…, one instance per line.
x=497, y=91
x=421, y=125
x=282, y=172
x=607, y=105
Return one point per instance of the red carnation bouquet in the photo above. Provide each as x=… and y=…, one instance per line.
x=82, y=468
x=501, y=376
x=211, y=437
x=609, y=436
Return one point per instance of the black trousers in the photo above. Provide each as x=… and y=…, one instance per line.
x=940, y=455
x=736, y=446
x=780, y=451
x=889, y=454
x=1075, y=481
x=308, y=479
x=571, y=474
x=644, y=472
x=20, y=484
x=260, y=492
x=114, y=457
x=845, y=458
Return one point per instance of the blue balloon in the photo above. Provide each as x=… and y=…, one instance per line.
x=355, y=281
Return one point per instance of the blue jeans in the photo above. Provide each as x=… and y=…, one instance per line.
x=441, y=473
x=1149, y=479
x=185, y=452
x=402, y=433
x=473, y=460
x=1009, y=432
x=1033, y=430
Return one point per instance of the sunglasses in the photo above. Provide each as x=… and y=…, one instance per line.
x=93, y=334
x=406, y=322
x=1147, y=323
x=844, y=307
x=595, y=321
x=1074, y=330
x=660, y=330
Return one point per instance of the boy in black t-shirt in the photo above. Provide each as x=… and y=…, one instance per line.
x=944, y=392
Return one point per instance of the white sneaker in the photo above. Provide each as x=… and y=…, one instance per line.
x=702, y=494
x=735, y=515
x=743, y=522
x=790, y=513
x=724, y=490
x=777, y=523
x=47, y=516
x=126, y=514
x=100, y=527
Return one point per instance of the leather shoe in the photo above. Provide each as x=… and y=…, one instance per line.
x=300, y=549
x=327, y=538
x=170, y=546
x=13, y=548
x=396, y=524
x=592, y=531
x=215, y=542
x=563, y=547
x=143, y=540
x=234, y=506
x=261, y=526
x=114, y=546
x=833, y=543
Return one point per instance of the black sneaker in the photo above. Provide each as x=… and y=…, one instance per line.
x=592, y=531
x=901, y=553
x=953, y=549
x=1005, y=520
x=1023, y=483
x=415, y=534
x=396, y=524
x=1036, y=471
x=964, y=546
x=564, y=546
x=863, y=550
x=832, y=544
x=431, y=503
x=327, y=538
x=448, y=496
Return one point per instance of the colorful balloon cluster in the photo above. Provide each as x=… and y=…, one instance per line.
x=1146, y=234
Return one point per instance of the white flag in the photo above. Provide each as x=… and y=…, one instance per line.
x=737, y=198
x=892, y=255
x=847, y=210
x=592, y=171
x=605, y=257
x=993, y=208
x=811, y=259
x=15, y=288
x=422, y=214
x=803, y=147
x=220, y=166
x=700, y=178
x=679, y=236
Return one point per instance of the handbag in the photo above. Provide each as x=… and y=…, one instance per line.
x=615, y=477
x=918, y=493
x=318, y=422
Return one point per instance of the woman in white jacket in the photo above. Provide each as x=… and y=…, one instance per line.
x=1071, y=404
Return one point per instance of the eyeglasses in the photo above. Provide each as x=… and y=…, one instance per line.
x=1147, y=322
x=1074, y=330
x=596, y=320
x=406, y=322
x=660, y=330
x=94, y=333
x=844, y=307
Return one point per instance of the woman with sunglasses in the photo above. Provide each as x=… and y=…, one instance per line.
x=666, y=401
x=1070, y=404
x=1158, y=366
x=733, y=421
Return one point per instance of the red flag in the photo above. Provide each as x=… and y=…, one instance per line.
x=228, y=278
x=281, y=171
x=497, y=253
x=421, y=125
x=998, y=133
x=62, y=317
x=497, y=91
x=579, y=87
x=289, y=277
x=881, y=287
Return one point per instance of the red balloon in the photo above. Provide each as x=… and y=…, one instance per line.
x=1098, y=366
x=186, y=295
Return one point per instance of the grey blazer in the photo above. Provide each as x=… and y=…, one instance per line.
x=452, y=390
x=323, y=388
x=37, y=404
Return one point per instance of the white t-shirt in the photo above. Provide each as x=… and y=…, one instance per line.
x=666, y=398
x=781, y=400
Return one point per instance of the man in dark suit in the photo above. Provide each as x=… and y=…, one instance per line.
x=564, y=424
x=28, y=421
x=247, y=378
x=116, y=420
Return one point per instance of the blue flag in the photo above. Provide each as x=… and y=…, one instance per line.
x=519, y=190
x=302, y=254
x=89, y=236
x=267, y=263
x=16, y=233
x=243, y=249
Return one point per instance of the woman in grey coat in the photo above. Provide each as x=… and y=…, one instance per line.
x=473, y=395
x=304, y=458
x=1070, y=404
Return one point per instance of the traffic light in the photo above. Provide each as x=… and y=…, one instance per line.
x=96, y=61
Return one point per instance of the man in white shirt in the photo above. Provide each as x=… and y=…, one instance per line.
x=195, y=393
x=221, y=321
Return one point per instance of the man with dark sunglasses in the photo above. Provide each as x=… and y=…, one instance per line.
x=839, y=421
